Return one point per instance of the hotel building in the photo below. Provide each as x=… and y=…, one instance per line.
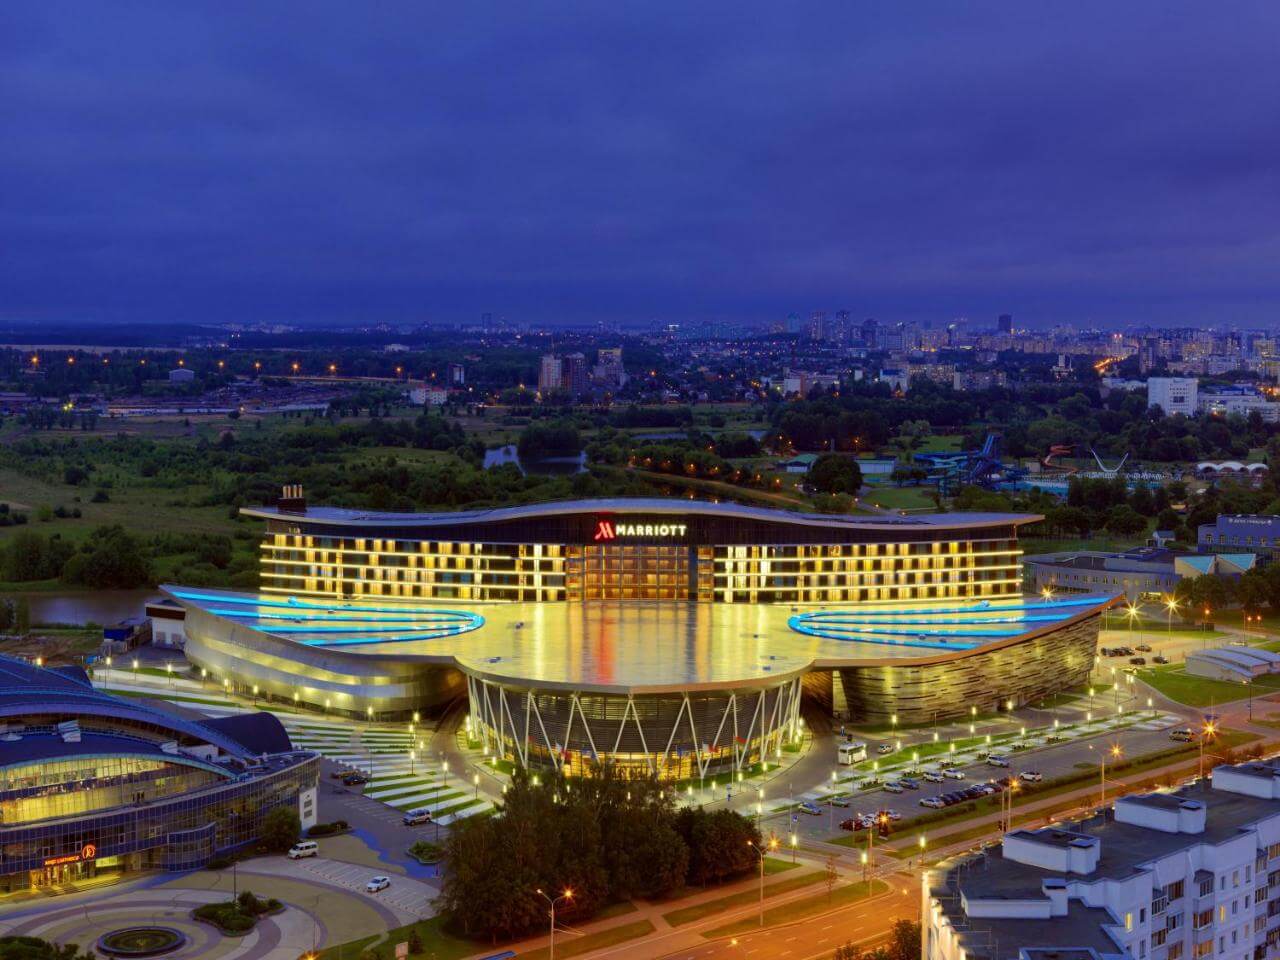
x=659, y=632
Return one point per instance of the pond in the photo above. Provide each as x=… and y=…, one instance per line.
x=498, y=456
x=86, y=606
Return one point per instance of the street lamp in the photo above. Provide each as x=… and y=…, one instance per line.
x=1115, y=753
x=567, y=895
x=760, y=852
x=1170, y=605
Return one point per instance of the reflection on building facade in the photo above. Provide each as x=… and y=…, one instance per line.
x=92, y=784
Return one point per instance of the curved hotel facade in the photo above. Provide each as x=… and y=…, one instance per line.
x=667, y=635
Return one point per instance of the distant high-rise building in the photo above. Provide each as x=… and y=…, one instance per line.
x=549, y=373
x=793, y=323
x=1004, y=323
x=818, y=325
x=841, y=328
x=869, y=330
x=457, y=375
x=609, y=370
x=575, y=375
x=1173, y=394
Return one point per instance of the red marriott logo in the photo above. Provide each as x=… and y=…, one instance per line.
x=605, y=530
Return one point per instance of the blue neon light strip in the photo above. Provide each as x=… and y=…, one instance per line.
x=311, y=622
x=919, y=627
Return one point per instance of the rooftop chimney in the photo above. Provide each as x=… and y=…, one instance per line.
x=291, y=499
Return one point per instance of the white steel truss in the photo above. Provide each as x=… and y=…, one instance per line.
x=771, y=726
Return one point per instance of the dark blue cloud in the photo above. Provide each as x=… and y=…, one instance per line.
x=570, y=161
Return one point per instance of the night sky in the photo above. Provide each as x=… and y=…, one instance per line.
x=1104, y=163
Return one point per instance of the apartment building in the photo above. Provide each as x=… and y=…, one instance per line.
x=1183, y=875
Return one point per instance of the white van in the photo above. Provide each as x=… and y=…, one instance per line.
x=416, y=816
x=304, y=848
x=850, y=753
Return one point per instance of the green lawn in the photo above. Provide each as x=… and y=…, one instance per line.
x=437, y=943
x=898, y=498
x=939, y=443
x=571, y=947
x=708, y=908
x=801, y=909
x=1175, y=683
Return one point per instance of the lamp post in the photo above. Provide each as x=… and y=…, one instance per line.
x=1248, y=685
x=760, y=852
x=1206, y=732
x=552, y=901
x=1115, y=752
x=1170, y=605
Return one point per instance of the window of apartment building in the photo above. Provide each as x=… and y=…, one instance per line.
x=1128, y=921
x=1222, y=912
x=1175, y=951
x=1175, y=890
x=1202, y=919
x=1202, y=949
x=1142, y=915
x=1235, y=878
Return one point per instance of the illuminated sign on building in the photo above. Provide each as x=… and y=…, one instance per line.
x=609, y=530
x=87, y=852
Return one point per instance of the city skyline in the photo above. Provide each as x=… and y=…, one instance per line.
x=566, y=166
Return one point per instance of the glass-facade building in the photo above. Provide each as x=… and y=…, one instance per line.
x=636, y=550
x=91, y=784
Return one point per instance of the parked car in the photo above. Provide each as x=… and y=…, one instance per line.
x=884, y=748
x=893, y=786
x=953, y=774
x=936, y=803
x=890, y=814
x=1031, y=776
x=1143, y=648
x=811, y=808
x=376, y=884
x=852, y=824
x=1159, y=659
x=354, y=779
x=417, y=816
x=933, y=776
x=909, y=782
x=839, y=801
x=1138, y=661
x=1184, y=735
x=995, y=760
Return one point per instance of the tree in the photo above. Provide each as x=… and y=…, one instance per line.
x=280, y=829
x=1123, y=520
x=835, y=473
x=33, y=948
x=111, y=558
x=904, y=940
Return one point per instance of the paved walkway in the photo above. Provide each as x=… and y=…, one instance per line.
x=324, y=899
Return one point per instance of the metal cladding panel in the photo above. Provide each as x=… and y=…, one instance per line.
x=1040, y=666
x=643, y=521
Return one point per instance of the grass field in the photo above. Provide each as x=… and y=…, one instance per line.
x=898, y=498
x=804, y=908
x=708, y=908
x=1175, y=683
x=135, y=507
